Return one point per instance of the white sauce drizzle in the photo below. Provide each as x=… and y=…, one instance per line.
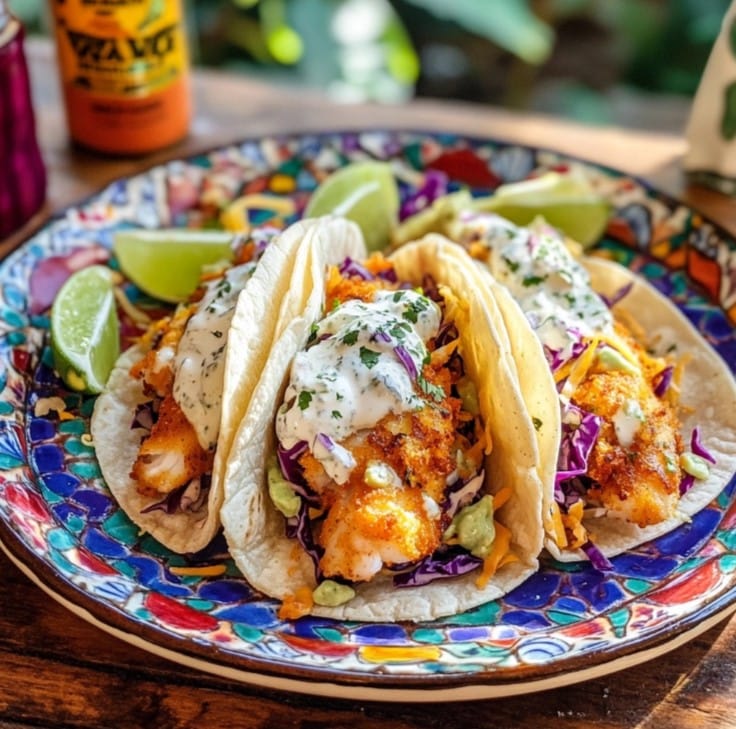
x=627, y=421
x=200, y=357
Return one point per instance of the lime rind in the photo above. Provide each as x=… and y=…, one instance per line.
x=567, y=202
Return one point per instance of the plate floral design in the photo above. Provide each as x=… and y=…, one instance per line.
x=59, y=523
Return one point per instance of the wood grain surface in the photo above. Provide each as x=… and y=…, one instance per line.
x=56, y=670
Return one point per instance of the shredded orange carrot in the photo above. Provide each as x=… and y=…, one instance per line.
x=474, y=454
x=500, y=548
x=378, y=263
x=502, y=497
x=245, y=253
x=296, y=605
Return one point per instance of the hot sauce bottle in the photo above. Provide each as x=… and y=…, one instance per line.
x=125, y=73
x=22, y=173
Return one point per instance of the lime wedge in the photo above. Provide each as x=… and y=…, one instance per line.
x=565, y=201
x=167, y=264
x=84, y=329
x=432, y=219
x=364, y=192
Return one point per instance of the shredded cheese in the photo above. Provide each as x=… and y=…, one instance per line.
x=573, y=522
x=212, y=570
x=554, y=525
x=297, y=605
x=500, y=498
x=500, y=548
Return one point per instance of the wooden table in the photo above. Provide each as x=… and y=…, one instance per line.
x=57, y=670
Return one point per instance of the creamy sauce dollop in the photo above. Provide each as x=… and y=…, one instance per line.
x=362, y=364
x=552, y=288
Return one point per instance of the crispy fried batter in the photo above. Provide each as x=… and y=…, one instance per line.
x=369, y=527
x=155, y=367
x=171, y=455
x=641, y=480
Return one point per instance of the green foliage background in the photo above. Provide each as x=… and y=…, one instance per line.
x=569, y=57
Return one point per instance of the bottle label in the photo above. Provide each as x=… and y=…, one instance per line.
x=121, y=48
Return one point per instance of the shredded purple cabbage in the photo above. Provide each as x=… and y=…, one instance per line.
x=299, y=527
x=389, y=275
x=291, y=470
x=144, y=416
x=189, y=497
x=461, y=493
x=262, y=237
x=687, y=482
x=554, y=357
x=288, y=460
x=327, y=443
x=350, y=267
x=579, y=433
x=596, y=557
x=448, y=562
x=662, y=381
x=698, y=448
x=568, y=493
x=383, y=336
x=433, y=186
x=611, y=301
x=406, y=359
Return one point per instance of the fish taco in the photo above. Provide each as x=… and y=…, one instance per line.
x=386, y=468
x=642, y=409
x=162, y=427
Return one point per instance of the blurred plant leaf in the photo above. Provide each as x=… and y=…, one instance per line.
x=509, y=24
x=284, y=44
x=310, y=19
x=402, y=60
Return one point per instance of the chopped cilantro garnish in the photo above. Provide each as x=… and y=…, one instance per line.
x=305, y=397
x=533, y=280
x=512, y=265
x=415, y=308
x=369, y=357
x=313, y=332
x=336, y=414
x=350, y=337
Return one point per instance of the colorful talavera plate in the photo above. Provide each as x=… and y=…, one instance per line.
x=59, y=524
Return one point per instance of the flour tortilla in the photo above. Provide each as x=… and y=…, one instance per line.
x=707, y=400
x=278, y=566
x=264, y=307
